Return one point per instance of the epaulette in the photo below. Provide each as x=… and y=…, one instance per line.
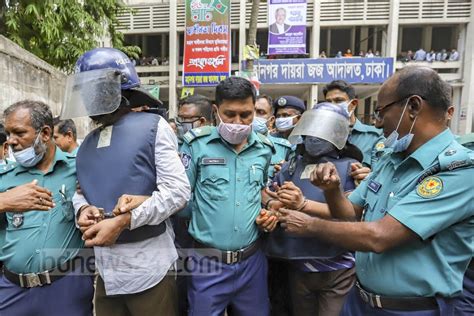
x=267, y=142
x=196, y=133
x=7, y=168
x=281, y=141
x=455, y=156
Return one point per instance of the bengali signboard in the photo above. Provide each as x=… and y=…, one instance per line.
x=324, y=70
x=286, y=27
x=206, y=42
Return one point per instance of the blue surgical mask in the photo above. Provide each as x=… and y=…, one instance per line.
x=285, y=123
x=316, y=147
x=31, y=156
x=345, y=106
x=402, y=144
x=259, y=125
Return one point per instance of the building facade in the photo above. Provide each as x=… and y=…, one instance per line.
x=392, y=27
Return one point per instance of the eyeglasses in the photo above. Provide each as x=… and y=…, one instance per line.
x=378, y=109
x=191, y=119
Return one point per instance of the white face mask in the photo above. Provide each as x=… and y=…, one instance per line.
x=345, y=106
x=234, y=134
x=285, y=123
x=31, y=156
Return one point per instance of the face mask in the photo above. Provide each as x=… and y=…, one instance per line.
x=184, y=127
x=259, y=125
x=316, y=147
x=233, y=133
x=285, y=123
x=29, y=157
x=345, y=106
x=402, y=144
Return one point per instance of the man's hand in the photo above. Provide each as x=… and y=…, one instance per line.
x=325, y=177
x=266, y=220
x=359, y=172
x=127, y=203
x=274, y=204
x=106, y=232
x=26, y=197
x=294, y=222
x=291, y=195
x=277, y=167
x=88, y=216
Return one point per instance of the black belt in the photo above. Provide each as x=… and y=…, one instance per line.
x=228, y=257
x=397, y=303
x=29, y=280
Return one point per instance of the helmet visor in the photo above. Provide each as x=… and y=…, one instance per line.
x=92, y=93
x=323, y=124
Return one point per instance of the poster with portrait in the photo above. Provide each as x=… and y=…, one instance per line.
x=286, y=27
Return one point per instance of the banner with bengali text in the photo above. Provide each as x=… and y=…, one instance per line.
x=324, y=70
x=207, y=59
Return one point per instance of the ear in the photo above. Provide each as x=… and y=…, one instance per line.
x=271, y=121
x=450, y=113
x=46, y=134
x=415, y=105
x=353, y=105
x=70, y=136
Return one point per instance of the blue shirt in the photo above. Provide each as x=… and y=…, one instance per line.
x=226, y=187
x=365, y=137
x=439, y=209
x=36, y=241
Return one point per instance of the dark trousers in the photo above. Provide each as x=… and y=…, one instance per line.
x=158, y=300
x=355, y=306
x=214, y=286
x=320, y=293
x=464, y=305
x=71, y=295
x=278, y=287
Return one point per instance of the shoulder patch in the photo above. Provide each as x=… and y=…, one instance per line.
x=430, y=187
x=196, y=133
x=185, y=160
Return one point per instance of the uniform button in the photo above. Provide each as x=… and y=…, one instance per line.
x=391, y=194
x=235, y=228
x=395, y=180
x=238, y=203
x=45, y=225
x=238, y=179
x=37, y=251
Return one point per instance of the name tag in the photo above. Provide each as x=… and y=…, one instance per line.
x=306, y=174
x=374, y=186
x=213, y=161
x=105, y=137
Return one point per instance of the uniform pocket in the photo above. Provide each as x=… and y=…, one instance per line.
x=215, y=182
x=256, y=174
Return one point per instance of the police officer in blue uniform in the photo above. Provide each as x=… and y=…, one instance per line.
x=416, y=207
x=365, y=137
x=132, y=155
x=227, y=168
x=320, y=274
x=465, y=305
x=39, y=241
x=288, y=110
x=262, y=122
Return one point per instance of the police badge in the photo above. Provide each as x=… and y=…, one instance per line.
x=17, y=220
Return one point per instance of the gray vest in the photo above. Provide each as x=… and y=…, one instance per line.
x=126, y=166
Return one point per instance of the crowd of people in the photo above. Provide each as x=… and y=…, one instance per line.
x=431, y=56
x=243, y=205
x=151, y=61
